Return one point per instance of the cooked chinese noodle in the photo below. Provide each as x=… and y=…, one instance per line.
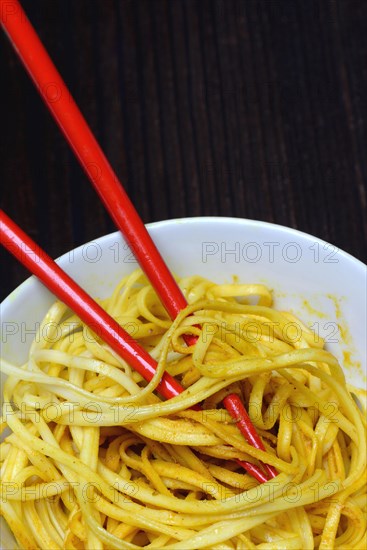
x=96, y=460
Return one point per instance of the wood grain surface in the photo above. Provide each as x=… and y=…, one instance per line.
x=252, y=109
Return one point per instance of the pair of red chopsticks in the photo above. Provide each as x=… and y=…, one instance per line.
x=77, y=132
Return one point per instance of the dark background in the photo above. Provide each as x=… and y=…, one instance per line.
x=252, y=109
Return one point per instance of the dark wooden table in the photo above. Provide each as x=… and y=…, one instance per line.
x=253, y=109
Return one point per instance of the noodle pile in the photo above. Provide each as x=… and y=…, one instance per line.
x=96, y=460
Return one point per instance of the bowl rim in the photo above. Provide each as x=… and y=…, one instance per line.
x=355, y=262
x=254, y=223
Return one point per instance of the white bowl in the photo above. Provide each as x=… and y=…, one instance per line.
x=324, y=286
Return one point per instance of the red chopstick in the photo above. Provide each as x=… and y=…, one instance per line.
x=62, y=106
x=18, y=243
x=234, y=406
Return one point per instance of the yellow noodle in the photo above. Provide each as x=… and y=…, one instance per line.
x=96, y=460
